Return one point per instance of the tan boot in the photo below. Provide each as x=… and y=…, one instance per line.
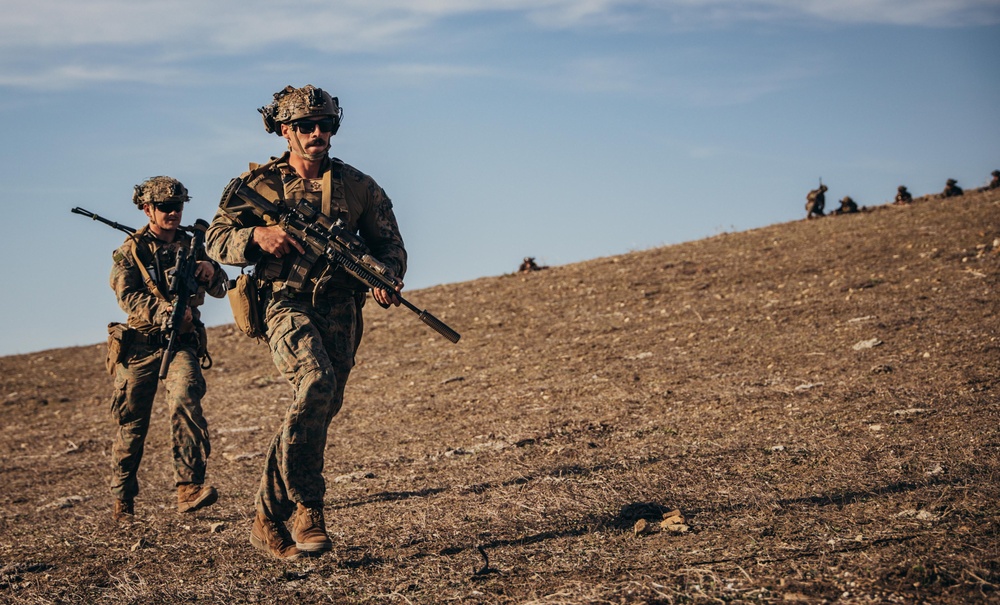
x=124, y=510
x=273, y=538
x=193, y=496
x=309, y=528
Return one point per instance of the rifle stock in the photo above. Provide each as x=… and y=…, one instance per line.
x=320, y=234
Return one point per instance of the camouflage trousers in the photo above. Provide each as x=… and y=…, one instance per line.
x=136, y=381
x=313, y=347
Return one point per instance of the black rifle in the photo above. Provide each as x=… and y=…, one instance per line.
x=183, y=285
x=89, y=214
x=320, y=235
x=182, y=280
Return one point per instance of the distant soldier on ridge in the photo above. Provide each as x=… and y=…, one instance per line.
x=815, y=202
x=951, y=189
x=903, y=196
x=528, y=265
x=995, y=181
x=847, y=206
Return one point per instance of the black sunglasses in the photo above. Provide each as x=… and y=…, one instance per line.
x=168, y=207
x=308, y=126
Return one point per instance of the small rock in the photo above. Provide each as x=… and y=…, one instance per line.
x=867, y=344
x=217, y=527
x=910, y=412
x=641, y=527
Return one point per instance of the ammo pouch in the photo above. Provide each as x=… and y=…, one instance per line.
x=120, y=338
x=245, y=301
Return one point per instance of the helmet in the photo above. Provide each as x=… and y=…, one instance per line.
x=292, y=104
x=158, y=189
x=822, y=187
x=901, y=188
x=995, y=173
x=950, y=182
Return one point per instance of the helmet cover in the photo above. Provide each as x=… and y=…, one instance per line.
x=292, y=104
x=159, y=189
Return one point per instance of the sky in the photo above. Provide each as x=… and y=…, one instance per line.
x=565, y=130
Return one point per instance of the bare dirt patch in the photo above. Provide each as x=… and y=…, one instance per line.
x=818, y=400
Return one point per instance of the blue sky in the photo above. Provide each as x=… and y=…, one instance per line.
x=564, y=130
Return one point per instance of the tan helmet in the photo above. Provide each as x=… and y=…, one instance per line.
x=292, y=104
x=950, y=182
x=159, y=189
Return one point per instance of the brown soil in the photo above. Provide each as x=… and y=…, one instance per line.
x=818, y=399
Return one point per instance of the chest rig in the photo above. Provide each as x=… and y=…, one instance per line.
x=308, y=273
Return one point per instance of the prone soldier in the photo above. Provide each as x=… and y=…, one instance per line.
x=847, y=206
x=951, y=189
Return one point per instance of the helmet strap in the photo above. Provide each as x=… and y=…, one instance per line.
x=295, y=146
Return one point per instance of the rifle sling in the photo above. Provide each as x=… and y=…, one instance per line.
x=142, y=256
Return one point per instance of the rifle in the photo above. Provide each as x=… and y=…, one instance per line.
x=183, y=283
x=322, y=236
x=101, y=219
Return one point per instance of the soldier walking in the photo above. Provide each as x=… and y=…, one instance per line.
x=140, y=280
x=312, y=312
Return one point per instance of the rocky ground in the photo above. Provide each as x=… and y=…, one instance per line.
x=806, y=412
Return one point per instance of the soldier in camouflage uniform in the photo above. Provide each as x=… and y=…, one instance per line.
x=995, y=181
x=951, y=189
x=815, y=202
x=847, y=206
x=313, y=331
x=141, y=287
x=903, y=196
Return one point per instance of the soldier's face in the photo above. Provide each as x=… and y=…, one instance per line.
x=315, y=140
x=165, y=216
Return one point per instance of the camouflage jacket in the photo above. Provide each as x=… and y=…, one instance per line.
x=357, y=199
x=146, y=310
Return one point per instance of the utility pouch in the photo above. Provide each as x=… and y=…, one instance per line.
x=202, y=349
x=245, y=301
x=120, y=338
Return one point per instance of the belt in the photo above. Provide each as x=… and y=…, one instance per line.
x=159, y=339
x=330, y=294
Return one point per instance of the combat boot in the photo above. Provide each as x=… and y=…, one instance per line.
x=273, y=538
x=194, y=496
x=309, y=528
x=124, y=510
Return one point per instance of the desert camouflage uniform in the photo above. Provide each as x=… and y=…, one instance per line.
x=951, y=189
x=312, y=344
x=847, y=206
x=903, y=196
x=136, y=378
x=815, y=202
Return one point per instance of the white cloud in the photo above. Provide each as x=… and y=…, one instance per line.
x=234, y=25
x=50, y=44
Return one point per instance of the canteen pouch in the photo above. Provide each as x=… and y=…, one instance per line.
x=245, y=302
x=119, y=344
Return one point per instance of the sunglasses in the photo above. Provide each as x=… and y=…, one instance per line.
x=308, y=126
x=168, y=207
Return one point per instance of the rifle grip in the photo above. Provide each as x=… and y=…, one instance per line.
x=439, y=326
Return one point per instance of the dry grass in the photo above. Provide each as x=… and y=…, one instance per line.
x=735, y=378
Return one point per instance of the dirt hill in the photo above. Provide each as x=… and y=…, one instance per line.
x=818, y=400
